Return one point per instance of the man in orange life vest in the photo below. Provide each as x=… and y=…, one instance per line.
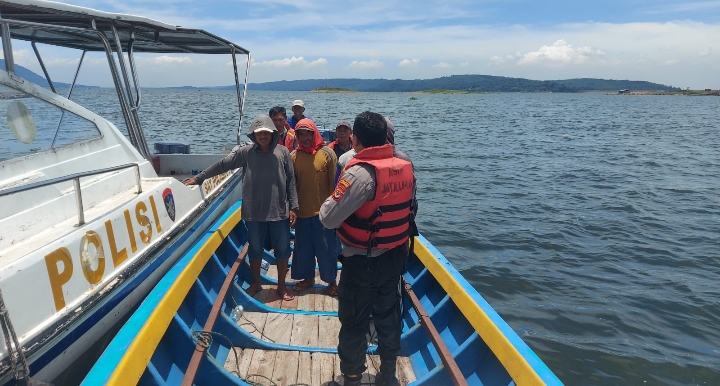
x=371, y=209
x=286, y=135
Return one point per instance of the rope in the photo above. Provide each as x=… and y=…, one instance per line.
x=205, y=339
x=17, y=357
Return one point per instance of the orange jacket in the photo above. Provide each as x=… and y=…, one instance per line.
x=383, y=222
x=289, y=140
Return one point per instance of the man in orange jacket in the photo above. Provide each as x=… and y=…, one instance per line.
x=371, y=208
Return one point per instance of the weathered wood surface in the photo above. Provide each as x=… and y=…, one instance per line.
x=291, y=367
x=272, y=273
x=307, y=330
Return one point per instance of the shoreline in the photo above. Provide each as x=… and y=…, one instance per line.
x=334, y=90
x=684, y=93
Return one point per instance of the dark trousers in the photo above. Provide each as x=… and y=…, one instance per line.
x=369, y=286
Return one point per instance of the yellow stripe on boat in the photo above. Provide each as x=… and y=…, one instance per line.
x=141, y=349
x=518, y=368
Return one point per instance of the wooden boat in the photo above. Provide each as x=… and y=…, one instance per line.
x=186, y=332
x=89, y=220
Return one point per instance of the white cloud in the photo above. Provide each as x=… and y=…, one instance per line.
x=287, y=62
x=671, y=62
x=318, y=62
x=442, y=65
x=464, y=64
x=409, y=63
x=22, y=57
x=165, y=60
x=705, y=52
x=501, y=59
x=560, y=52
x=366, y=64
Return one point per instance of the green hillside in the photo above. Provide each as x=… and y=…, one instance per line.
x=467, y=83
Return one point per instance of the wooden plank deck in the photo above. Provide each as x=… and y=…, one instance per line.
x=292, y=367
x=272, y=272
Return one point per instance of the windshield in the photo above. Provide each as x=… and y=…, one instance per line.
x=29, y=125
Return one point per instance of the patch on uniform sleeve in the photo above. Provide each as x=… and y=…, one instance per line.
x=340, y=189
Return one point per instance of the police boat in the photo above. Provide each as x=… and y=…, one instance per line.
x=90, y=219
x=198, y=326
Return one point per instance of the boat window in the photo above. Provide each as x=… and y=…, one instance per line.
x=29, y=125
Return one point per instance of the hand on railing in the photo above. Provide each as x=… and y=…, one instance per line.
x=190, y=181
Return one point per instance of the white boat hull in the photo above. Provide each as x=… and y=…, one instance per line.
x=66, y=347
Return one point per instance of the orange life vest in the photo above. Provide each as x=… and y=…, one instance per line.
x=383, y=222
x=289, y=140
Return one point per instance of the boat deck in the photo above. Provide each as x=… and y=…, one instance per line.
x=296, y=367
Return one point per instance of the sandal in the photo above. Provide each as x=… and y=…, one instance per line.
x=303, y=285
x=332, y=289
x=287, y=296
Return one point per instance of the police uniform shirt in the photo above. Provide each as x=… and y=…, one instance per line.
x=356, y=185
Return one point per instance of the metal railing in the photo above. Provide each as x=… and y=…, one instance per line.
x=76, y=183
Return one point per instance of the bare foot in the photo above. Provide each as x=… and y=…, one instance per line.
x=332, y=289
x=253, y=289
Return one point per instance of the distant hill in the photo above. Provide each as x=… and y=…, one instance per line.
x=35, y=78
x=472, y=83
x=467, y=83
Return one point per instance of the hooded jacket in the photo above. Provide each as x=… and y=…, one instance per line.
x=268, y=187
x=314, y=170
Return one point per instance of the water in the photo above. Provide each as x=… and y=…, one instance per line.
x=590, y=222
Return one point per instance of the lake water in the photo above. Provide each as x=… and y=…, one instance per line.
x=590, y=222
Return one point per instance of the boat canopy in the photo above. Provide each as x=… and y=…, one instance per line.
x=85, y=29
x=30, y=21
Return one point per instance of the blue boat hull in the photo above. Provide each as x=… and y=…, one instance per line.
x=156, y=344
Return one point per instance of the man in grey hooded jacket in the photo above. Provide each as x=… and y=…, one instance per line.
x=269, y=196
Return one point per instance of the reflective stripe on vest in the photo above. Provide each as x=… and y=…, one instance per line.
x=383, y=222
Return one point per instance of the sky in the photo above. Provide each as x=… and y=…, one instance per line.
x=671, y=42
